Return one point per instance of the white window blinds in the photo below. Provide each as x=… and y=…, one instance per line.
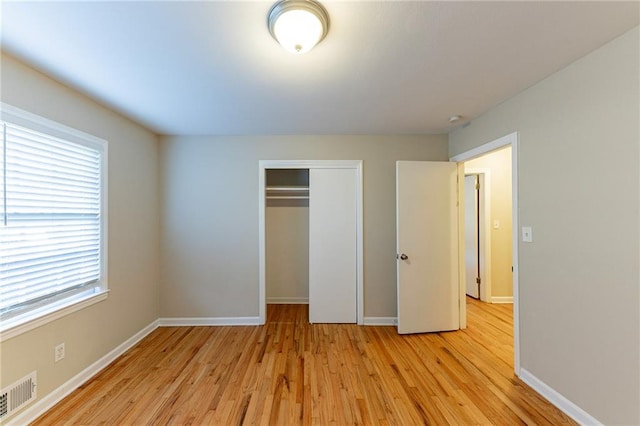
x=50, y=226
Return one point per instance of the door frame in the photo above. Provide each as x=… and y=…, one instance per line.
x=263, y=165
x=484, y=177
x=508, y=140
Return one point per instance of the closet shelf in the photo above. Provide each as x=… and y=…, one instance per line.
x=287, y=192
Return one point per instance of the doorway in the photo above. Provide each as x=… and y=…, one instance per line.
x=488, y=226
x=497, y=288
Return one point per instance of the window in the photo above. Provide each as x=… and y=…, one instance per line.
x=52, y=220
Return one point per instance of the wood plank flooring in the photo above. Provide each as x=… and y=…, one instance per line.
x=289, y=372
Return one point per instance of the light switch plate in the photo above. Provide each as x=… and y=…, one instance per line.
x=496, y=224
x=527, y=234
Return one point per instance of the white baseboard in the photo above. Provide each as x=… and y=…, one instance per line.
x=392, y=321
x=502, y=299
x=39, y=407
x=568, y=407
x=288, y=300
x=187, y=322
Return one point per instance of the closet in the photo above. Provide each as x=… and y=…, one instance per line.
x=311, y=238
x=287, y=235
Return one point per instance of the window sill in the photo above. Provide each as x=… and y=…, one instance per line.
x=23, y=323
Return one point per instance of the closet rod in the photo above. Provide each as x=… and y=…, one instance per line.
x=287, y=188
x=287, y=197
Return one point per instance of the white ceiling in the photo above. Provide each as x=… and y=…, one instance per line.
x=386, y=67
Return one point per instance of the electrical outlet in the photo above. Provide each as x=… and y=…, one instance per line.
x=58, y=352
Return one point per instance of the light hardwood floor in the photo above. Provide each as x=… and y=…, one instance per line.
x=289, y=372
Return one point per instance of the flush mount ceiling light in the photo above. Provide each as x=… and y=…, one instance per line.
x=298, y=25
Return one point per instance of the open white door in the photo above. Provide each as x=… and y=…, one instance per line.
x=471, y=235
x=332, y=245
x=427, y=246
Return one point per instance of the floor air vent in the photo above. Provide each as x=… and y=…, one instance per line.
x=17, y=395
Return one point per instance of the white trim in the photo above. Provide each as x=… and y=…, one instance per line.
x=42, y=405
x=557, y=399
x=27, y=119
x=310, y=164
x=288, y=300
x=462, y=267
x=512, y=140
x=208, y=321
x=262, y=244
x=263, y=165
x=9, y=330
x=359, y=245
x=515, y=219
x=484, y=175
x=502, y=299
x=381, y=321
x=509, y=139
x=104, y=218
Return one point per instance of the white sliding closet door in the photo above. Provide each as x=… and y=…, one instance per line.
x=332, y=245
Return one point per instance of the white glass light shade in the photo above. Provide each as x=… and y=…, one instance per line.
x=298, y=25
x=298, y=31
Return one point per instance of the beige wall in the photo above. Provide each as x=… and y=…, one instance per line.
x=210, y=223
x=133, y=266
x=499, y=164
x=579, y=190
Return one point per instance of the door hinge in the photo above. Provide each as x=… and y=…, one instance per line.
x=478, y=185
x=478, y=280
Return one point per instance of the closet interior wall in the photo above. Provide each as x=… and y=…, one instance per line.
x=287, y=236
